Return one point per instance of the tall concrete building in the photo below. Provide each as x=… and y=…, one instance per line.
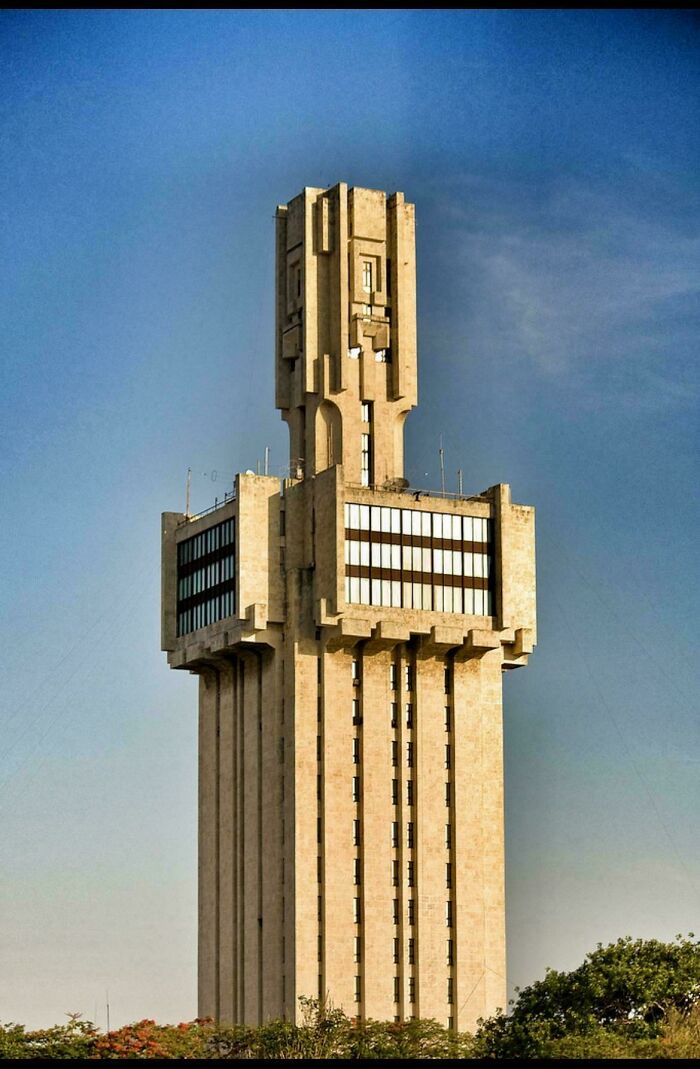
x=350, y=635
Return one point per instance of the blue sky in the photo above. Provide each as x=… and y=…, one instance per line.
x=553, y=160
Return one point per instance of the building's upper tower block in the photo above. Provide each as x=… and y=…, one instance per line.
x=346, y=330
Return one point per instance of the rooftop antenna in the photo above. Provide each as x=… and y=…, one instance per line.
x=442, y=467
x=459, y=481
x=107, y=1001
x=187, y=498
x=267, y=460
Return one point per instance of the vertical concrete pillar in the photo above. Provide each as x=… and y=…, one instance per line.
x=208, y=875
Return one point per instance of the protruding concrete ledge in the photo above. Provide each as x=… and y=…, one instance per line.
x=477, y=643
x=388, y=634
x=523, y=641
x=442, y=637
x=348, y=632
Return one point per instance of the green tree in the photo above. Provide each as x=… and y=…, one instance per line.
x=626, y=988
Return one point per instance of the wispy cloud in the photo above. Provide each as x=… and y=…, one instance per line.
x=596, y=293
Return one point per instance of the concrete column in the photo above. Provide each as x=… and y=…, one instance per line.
x=207, y=998
x=480, y=985
x=226, y=770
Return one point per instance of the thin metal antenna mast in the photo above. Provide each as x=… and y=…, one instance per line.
x=442, y=467
x=187, y=493
x=459, y=481
x=267, y=460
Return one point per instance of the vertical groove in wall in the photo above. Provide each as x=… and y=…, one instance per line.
x=217, y=848
x=241, y=855
x=235, y=712
x=261, y=916
x=451, y=818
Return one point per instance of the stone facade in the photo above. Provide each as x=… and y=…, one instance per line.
x=350, y=637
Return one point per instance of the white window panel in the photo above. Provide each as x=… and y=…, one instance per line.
x=354, y=552
x=376, y=592
x=396, y=521
x=438, y=596
x=427, y=596
x=437, y=561
x=479, y=565
x=354, y=523
x=375, y=517
x=364, y=554
x=447, y=561
x=364, y=592
x=426, y=555
x=486, y=565
x=364, y=517
x=386, y=519
x=416, y=523
x=386, y=555
x=386, y=592
x=376, y=554
x=468, y=528
x=447, y=599
x=479, y=602
x=408, y=602
x=437, y=525
x=416, y=559
x=469, y=601
x=347, y=550
x=406, y=521
x=468, y=563
x=458, y=599
x=417, y=594
x=425, y=524
x=457, y=563
x=396, y=594
x=407, y=557
x=396, y=557
x=354, y=590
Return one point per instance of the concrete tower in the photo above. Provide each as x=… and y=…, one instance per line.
x=350, y=637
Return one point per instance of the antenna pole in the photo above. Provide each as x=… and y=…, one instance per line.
x=442, y=467
x=187, y=493
x=267, y=460
x=459, y=481
x=107, y=1001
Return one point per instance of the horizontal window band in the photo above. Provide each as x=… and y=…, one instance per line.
x=206, y=595
x=184, y=570
x=468, y=582
x=416, y=541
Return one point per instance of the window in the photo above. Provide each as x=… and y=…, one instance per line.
x=409, y=792
x=411, y=909
x=448, y=836
x=396, y=951
x=449, y=953
x=366, y=412
x=448, y=913
x=397, y=992
x=358, y=948
x=447, y=681
x=408, y=676
x=394, y=834
x=318, y=830
x=448, y=874
x=411, y=989
x=448, y=756
x=319, y=870
x=411, y=952
x=449, y=990
x=394, y=753
x=355, y=751
x=356, y=718
x=409, y=835
x=355, y=833
x=448, y=795
x=320, y=948
x=409, y=715
x=358, y=989
x=367, y=276
x=355, y=672
x=355, y=788
x=392, y=676
x=448, y=718
x=395, y=874
x=394, y=714
x=394, y=792
x=356, y=871
x=409, y=755
x=395, y=911
x=356, y=910
x=410, y=872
